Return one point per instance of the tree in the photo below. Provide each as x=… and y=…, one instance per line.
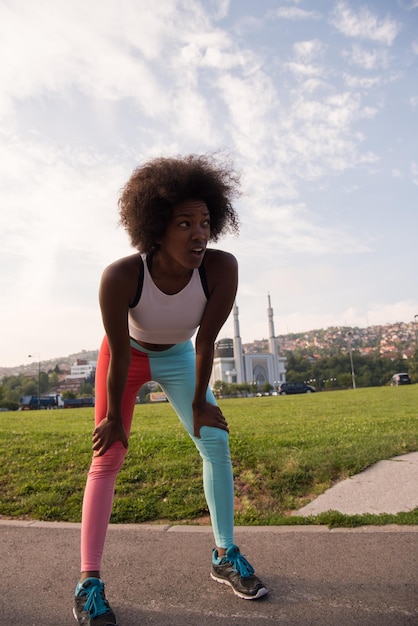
x=86, y=389
x=69, y=395
x=53, y=379
x=413, y=367
x=219, y=389
x=43, y=382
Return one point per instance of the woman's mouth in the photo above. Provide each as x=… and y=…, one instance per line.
x=198, y=251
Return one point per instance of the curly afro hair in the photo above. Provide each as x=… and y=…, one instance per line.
x=146, y=201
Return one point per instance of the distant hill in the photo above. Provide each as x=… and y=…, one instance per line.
x=384, y=340
x=64, y=362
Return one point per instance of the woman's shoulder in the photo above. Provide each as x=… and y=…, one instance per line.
x=124, y=265
x=219, y=259
x=123, y=272
x=221, y=269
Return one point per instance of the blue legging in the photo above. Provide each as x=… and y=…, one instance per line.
x=175, y=370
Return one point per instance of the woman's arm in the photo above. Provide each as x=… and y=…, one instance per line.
x=222, y=276
x=116, y=288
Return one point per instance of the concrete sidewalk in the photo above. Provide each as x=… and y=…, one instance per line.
x=159, y=575
x=386, y=487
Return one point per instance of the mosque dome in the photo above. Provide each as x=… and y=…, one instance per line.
x=224, y=348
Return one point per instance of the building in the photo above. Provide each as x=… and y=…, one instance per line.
x=83, y=368
x=232, y=365
x=80, y=372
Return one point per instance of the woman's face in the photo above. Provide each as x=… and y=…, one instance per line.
x=187, y=234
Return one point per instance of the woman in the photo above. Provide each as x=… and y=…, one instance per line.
x=152, y=303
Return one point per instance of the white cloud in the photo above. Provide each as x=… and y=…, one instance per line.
x=294, y=13
x=56, y=47
x=367, y=59
x=313, y=84
x=409, y=5
x=304, y=70
x=361, y=82
x=292, y=229
x=306, y=51
x=364, y=24
x=251, y=101
x=221, y=8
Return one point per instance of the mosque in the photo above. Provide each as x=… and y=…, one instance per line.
x=232, y=365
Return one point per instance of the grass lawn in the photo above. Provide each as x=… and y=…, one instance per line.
x=285, y=451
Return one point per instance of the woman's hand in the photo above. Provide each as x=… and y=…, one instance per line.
x=208, y=415
x=106, y=434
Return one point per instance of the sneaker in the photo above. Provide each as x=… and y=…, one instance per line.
x=234, y=570
x=90, y=605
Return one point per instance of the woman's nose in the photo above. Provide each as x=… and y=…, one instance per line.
x=198, y=232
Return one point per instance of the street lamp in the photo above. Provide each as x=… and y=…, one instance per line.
x=353, y=377
x=32, y=356
x=416, y=331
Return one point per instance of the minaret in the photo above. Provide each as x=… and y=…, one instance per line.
x=273, y=346
x=238, y=357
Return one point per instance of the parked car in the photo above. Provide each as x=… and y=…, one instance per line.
x=400, y=379
x=287, y=388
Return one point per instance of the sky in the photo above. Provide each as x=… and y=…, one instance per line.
x=315, y=101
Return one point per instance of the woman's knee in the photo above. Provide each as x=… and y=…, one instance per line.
x=110, y=462
x=213, y=443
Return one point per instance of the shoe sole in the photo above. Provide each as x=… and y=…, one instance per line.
x=78, y=621
x=260, y=593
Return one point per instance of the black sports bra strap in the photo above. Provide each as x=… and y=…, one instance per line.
x=203, y=280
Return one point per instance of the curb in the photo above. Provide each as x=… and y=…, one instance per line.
x=184, y=528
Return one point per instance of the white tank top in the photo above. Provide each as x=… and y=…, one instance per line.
x=157, y=317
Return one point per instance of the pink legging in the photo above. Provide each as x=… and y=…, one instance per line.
x=174, y=369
